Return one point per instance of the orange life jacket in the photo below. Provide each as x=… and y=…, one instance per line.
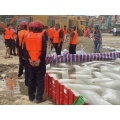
x=63, y=35
x=8, y=34
x=25, y=36
x=74, y=41
x=51, y=32
x=65, y=31
x=14, y=35
x=86, y=33
x=56, y=36
x=34, y=45
x=21, y=37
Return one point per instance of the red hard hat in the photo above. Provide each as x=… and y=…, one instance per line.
x=23, y=23
x=38, y=24
x=31, y=24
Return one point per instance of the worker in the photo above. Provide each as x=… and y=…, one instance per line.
x=86, y=32
x=114, y=32
x=65, y=33
x=30, y=28
x=8, y=34
x=19, y=45
x=45, y=32
x=97, y=38
x=51, y=32
x=57, y=39
x=73, y=40
x=36, y=54
x=18, y=29
x=13, y=42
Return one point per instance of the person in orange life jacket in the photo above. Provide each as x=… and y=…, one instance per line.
x=86, y=32
x=51, y=32
x=45, y=32
x=73, y=40
x=30, y=26
x=36, y=53
x=57, y=40
x=65, y=32
x=19, y=45
x=8, y=34
x=13, y=42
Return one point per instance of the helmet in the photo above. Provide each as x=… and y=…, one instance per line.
x=38, y=24
x=31, y=24
x=74, y=27
x=23, y=23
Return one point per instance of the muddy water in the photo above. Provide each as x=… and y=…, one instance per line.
x=12, y=90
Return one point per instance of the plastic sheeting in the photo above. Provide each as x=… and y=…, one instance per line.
x=83, y=57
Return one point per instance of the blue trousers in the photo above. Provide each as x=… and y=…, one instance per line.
x=96, y=47
x=36, y=81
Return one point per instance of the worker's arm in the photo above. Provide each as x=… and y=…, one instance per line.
x=25, y=53
x=17, y=44
x=61, y=35
x=4, y=34
x=46, y=35
x=44, y=47
x=101, y=37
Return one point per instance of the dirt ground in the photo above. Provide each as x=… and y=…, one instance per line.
x=10, y=65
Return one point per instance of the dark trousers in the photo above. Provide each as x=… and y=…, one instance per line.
x=52, y=43
x=36, y=81
x=97, y=47
x=26, y=72
x=12, y=47
x=21, y=65
x=72, y=49
x=58, y=50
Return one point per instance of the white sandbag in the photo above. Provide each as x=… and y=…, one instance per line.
x=65, y=74
x=84, y=87
x=55, y=76
x=63, y=65
x=112, y=96
x=98, y=80
x=55, y=68
x=115, y=84
x=77, y=76
x=98, y=75
x=77, y=67
x=112, y=75
x=104, y=69
x=48, y=67
x=84, y=71
x=71, y=81
x=93, y=97
x=76, y=93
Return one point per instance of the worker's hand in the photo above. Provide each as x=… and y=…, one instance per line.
x=31, y=62
x=68, y=45
x=58, y=45
x=37, y=63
